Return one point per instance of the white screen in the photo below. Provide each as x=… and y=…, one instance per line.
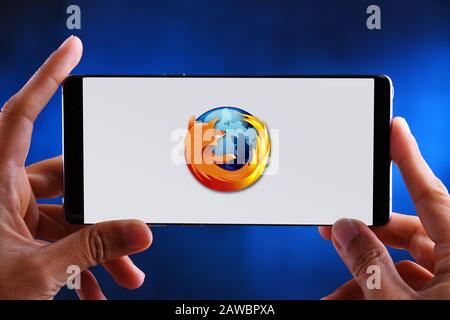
x=320, y=170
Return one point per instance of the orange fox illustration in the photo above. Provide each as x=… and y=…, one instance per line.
x=202, y=161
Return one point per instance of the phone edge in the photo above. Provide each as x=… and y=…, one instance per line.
x=78, y=218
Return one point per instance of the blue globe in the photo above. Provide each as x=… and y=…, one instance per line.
x=239, y=138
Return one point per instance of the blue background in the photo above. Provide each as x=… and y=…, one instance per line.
x=242, y=37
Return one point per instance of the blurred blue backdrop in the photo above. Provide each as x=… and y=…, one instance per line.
x=242, y=37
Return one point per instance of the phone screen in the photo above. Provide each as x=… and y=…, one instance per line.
x=285, y=151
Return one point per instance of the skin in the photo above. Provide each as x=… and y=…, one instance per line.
x=426, y=237
x=36, y=243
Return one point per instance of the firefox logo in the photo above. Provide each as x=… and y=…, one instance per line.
x=226, y=148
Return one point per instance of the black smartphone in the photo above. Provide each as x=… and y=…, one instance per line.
x=228, y=150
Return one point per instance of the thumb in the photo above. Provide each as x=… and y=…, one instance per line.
x=94, y=245
x=369, y=261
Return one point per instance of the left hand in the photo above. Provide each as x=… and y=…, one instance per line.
x=36, y=244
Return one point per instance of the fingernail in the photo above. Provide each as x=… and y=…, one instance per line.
x=405, y=125
x=136, y=235
x=344, y=231
x=65, y=41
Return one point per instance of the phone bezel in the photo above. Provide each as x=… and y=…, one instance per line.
x=73, y=190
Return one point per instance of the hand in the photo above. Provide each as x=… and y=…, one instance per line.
x=427, y=238
x=32, y=266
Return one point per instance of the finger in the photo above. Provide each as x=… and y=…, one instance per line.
x=36, y=93
x=325, y=232
x=19, y=113
x=96, y=244
x=402, y=232
x=414, y=275
x=46, y=177
x=407, y=232
x=53, y=226
x=429, y=194
x=125, y=273
x=361, y=251
x=90, y=289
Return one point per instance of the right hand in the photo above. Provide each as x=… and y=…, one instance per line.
x=427, y=238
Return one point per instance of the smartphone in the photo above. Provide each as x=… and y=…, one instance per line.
x=228, y=150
